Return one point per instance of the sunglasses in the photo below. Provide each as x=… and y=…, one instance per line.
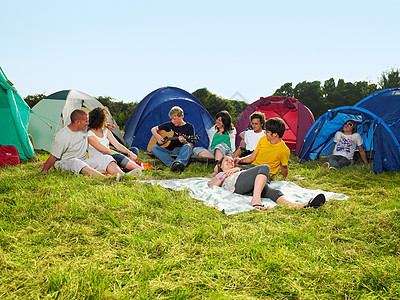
x=348, y=123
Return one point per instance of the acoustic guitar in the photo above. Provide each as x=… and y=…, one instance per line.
x=171, y=139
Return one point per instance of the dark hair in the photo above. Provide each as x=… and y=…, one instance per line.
x=77, y=115
x=258, y=115
x=98, y=117
x=220, y=162
x=276, y=125
x=354, y=129
x=226, y=120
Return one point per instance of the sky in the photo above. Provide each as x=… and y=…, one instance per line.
x=239, y=50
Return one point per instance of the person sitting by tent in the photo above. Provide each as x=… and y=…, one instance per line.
x=222, y=138
x=182, y=147
x=68, y=151
x=251, y=137
x=345, y=143
x=100, y=137
x=254, y=182
x=271, y=150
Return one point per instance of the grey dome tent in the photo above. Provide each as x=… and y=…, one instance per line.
x=53, y=113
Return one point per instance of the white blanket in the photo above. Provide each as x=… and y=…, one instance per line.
x=231, y=203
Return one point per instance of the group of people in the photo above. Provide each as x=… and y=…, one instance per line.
x=262, y=144
x=91, y=133
x=246, y=170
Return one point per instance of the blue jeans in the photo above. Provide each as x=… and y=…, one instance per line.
x=163, y=154
x=338, y=161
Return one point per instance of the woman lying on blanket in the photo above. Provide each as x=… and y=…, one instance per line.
x=100, y=137
x=254, y=182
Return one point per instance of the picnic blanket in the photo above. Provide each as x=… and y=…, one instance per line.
x=231, y=203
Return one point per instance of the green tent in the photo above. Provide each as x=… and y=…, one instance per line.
x=14, y=119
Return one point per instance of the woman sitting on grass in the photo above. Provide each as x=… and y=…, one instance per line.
x=100, y=137
x=222, y=138
x=254, y=182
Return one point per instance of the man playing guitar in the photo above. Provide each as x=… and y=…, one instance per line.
x=183, y=148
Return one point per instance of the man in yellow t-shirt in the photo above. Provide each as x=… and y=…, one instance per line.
x=271, y=149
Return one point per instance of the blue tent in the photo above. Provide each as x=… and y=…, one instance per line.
x=386, y=105
x=153, y=110
x=376, y=134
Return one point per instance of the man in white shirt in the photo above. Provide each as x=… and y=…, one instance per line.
x=251, y=137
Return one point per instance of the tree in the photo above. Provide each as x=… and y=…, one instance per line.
x=390, y=79
x=32, y=100
x=215, y=104
x=346, y=93
x=311, y=95
x=120, y=111
x=285, y=90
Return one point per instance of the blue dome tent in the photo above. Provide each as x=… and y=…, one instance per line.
x=386, y=105
x=376, y=134
x=153, y=110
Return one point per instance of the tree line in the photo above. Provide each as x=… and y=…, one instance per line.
x=319, y=98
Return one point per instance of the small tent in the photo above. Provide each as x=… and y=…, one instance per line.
x=14, y=119
x=377, y=137
x=298, y=118
x=386, y=105
x=53, y=113
x=153, y=110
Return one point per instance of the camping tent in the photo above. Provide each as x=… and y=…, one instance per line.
x=153, y=110
x=14, y=119
x=386, y=105
x=53, y=113
x=377, y=137
x=298, y=118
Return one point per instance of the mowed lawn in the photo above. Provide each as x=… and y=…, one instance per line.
x=66, y=236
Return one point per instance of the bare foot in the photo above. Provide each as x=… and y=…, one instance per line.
x=259, y=206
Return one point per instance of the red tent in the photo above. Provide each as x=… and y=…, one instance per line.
x=298, y=118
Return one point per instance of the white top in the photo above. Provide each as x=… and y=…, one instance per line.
x=104, y=140
x=230, y=182
x=251, y=139
x=232, y=136
x=346, y=144
x=69, y=144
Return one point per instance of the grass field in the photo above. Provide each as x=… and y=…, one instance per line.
x=66, y=236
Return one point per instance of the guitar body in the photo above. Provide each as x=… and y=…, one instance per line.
x=165, y=135
x=168, y=138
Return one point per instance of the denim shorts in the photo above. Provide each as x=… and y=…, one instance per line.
x=222, y=147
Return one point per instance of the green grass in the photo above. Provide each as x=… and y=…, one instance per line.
x=67, y=236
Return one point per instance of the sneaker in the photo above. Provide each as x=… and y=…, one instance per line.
x=326, y=165
x=134, y=172
x=177, y=166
